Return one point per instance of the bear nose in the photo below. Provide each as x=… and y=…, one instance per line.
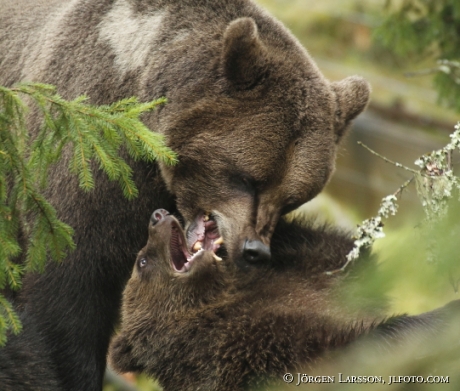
x=255, y=251
x=158, y=215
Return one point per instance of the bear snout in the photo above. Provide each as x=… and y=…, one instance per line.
x=254, y=251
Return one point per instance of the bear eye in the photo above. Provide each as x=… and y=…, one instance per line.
x=247, y=183
x=142, y=262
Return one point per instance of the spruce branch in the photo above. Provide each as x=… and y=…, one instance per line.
x=8, y=319
x=87, y=134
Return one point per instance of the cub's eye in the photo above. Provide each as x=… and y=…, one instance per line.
x=142, y=262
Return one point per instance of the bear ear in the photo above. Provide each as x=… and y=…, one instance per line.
x=352, y=97
x=244, y=56
x=120, y=356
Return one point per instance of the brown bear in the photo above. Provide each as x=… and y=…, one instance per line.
x=253, y=121
x=195, y=322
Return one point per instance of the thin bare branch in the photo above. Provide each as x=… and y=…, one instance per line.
x=399, y=165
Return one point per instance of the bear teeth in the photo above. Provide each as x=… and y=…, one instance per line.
x=197, y=246
x=216, y=257
x=194, y=255
x=200, y=251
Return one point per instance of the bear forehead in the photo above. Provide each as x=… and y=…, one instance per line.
x=268, y=124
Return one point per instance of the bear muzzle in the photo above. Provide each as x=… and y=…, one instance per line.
x=254, y=251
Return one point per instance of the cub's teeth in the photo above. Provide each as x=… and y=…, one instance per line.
x=197, y=246
x=216, y=257
x=206, y=217
x=219, y=240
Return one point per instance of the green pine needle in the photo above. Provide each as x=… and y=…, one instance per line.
x=92, y=138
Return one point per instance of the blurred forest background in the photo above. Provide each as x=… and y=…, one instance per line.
x=405, y=120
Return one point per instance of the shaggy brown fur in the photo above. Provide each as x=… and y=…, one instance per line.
x=215, y=327
x=249, y=112
x=252, y=119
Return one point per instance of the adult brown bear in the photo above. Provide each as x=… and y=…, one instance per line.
x=211, y=326
x=254, y=123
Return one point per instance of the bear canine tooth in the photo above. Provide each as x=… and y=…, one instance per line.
x=206, y=217
x=216, y=257
x=219, y=240
x=197, y=246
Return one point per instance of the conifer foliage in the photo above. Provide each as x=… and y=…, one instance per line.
x=428, y=29
x=89, y=134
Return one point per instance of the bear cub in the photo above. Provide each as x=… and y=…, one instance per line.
x=200, y=322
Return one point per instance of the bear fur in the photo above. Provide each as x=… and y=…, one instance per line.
x=26, y=363
x=216, y=327
x=253, y=121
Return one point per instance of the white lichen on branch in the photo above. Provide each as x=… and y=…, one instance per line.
x=435, y=186
x=437, y=180
x=371, y=229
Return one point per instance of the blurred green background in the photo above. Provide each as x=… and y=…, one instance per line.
x=403, y=121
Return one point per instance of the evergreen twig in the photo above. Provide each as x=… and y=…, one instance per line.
x=88, y=133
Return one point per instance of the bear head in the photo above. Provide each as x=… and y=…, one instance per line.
x=259, y=141
x=166, y=280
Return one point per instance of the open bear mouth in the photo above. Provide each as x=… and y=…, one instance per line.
x=204, y=234
x=181, y=258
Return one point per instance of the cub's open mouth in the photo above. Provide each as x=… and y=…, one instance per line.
x=181, y=258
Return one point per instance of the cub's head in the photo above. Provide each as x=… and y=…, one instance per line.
x=166, y=271
x=166, y=283
x=260, y=141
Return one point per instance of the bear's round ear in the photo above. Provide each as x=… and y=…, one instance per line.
x=352, y=97
x=244, y=56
